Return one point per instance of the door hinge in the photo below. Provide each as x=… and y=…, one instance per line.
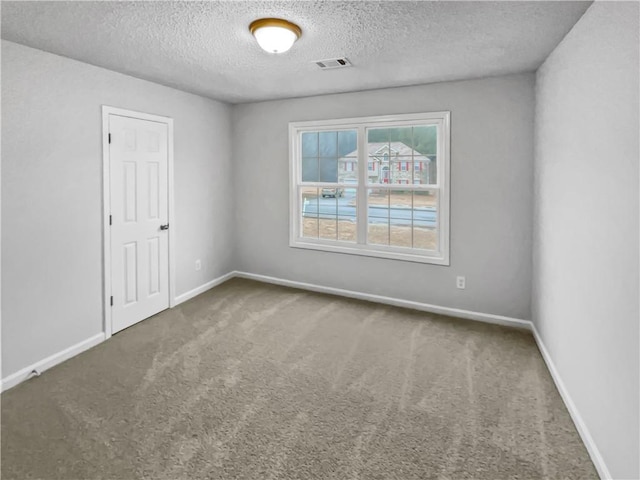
x=110, y=220
x=109, y=138
x=112, y=301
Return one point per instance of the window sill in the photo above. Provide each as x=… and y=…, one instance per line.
x=429, y=257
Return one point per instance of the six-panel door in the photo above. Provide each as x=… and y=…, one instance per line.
x=139, y=208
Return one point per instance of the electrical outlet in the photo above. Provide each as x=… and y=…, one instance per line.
x=461, y=282
x=198, y=264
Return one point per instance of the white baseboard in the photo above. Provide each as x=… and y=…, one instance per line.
x=51, y=361
x=425, y=307
x=203, y=288
x=583, y=431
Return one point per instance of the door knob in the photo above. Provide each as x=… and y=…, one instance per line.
x=164, y=227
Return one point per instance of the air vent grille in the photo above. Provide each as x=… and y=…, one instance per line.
x=333, y=63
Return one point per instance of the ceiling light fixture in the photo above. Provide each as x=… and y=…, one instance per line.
x=275, y=35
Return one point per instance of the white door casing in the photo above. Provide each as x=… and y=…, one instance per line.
x=137, y=282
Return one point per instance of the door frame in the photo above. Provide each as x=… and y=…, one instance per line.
x=106, y=205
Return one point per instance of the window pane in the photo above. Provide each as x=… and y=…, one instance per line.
x=328, y=144
x=330, y=156
x=377, y=135
x=310, y=227
x=309, y=209
x=329, y=169
x=310, y=144
x=378, y=216
x=400, y=171
x=425, y=218
x=402, y=136
x=378, y=233
x=310, y=169
x=348, y=170
x=400, y=217
x=426, y=238
x=427, y=198
x=390, y=169
x=425, y=170
x=378, y=155
x=348, y=161
x=378, y=200
x=328, y=213
x=348, y=143
x=425, y=139
x=328, y=229
x=347, y=229
x=347, y=209
x=379, y=170
x=351, y=197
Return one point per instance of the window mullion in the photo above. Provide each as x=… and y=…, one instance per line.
x=413, y=211
x=361, y=211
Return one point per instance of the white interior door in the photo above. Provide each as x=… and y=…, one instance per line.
x=138, y=154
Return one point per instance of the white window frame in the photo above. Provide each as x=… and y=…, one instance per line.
x=436, y=257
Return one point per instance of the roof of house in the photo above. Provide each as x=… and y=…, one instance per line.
x=399, y=148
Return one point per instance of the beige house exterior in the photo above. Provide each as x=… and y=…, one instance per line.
x=389, y=163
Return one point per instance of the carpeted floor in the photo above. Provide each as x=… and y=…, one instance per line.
x=253, y=381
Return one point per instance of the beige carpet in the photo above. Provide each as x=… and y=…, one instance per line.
x=254, y=381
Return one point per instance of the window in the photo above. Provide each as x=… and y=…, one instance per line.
x=341, y=202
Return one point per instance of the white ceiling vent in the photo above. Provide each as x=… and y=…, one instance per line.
x=333, y=63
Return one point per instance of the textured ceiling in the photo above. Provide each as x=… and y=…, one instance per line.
x=206, y=48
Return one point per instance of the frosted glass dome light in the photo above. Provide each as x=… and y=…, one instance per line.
x=275, y=35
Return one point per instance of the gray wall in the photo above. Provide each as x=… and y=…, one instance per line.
x=491, y=195
x=585, y=299
x=52, y=195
